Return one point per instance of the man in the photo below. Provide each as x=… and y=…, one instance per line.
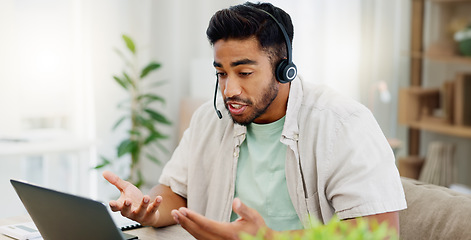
x=284, y=149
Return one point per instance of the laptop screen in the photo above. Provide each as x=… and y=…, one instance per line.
x=60, y=216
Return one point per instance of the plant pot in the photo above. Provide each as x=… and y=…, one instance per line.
x=465, y=47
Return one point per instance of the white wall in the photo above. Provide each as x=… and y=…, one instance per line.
x=35, y=70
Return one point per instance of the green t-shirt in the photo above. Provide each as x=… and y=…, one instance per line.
x=261, y=180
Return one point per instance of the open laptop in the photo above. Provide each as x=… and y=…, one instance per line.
x=60, y=216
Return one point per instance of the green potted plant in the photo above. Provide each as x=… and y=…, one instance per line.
x=140, y=110
x=463, y=37
x=333, y=230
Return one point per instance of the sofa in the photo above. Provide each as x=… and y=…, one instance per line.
x=434, y=212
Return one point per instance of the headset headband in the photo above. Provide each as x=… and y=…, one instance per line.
x=285, y=34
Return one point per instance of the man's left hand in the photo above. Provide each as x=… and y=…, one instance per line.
x=200, y=227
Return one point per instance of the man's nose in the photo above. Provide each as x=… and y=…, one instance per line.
x=232, y=87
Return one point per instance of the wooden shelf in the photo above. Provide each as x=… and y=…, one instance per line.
x=451, y=1
x=442, y=110
x=417, y=106
x=447, y=129
x=449, y=58
x=442, y=58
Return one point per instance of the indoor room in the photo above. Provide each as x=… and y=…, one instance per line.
x=111, y=85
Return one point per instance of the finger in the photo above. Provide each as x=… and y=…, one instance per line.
x=126, y=208
x=115, y=180
x=154, y=206
x=205, y=224
x=176, y=215
x=243, y=211
x=115, y=206
x=142, y=209
x=191, y=227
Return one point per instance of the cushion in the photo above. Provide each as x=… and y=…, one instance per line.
x=434, y=212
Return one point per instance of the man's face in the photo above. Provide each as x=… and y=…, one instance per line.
x=246, y=80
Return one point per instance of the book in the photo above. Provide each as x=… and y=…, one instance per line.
x=21, y=231
x=462, y=108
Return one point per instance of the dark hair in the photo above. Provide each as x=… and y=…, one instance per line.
x=244, y=21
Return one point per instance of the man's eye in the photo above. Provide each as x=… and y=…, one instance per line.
x=221, y=74
x=245, y=73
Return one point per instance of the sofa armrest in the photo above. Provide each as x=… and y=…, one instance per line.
x=434, y=212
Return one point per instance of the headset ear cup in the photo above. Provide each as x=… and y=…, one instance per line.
x=285, y=71
x=290, y=72
x=280, y=75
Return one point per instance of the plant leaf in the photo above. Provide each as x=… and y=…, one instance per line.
x=151, y=98
x=119, y=122
x=104, y=163
x=153, y=159
x=125, y=59
x=129, y=43
x=146, y=123
x=149, y=68
x=122, y=104
x=126, y=146
x=134, y=132
x=161, y=147
x=121, y=82
x=157, y=116
x=135, y=156
x=158, y=83
x=140, y=179
x=129, y=80
x=120, y=54
x=154, y=136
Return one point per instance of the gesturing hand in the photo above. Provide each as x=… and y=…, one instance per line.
x=132, y=203
x=200, y=227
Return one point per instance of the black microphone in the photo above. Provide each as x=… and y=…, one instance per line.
x=215, y=94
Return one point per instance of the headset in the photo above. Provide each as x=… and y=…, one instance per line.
x=286, y=70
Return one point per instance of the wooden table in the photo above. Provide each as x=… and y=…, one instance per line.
x=144, y=233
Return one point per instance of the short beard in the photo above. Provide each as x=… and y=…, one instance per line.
x=270, y=93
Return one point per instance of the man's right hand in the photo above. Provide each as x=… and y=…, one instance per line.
x=132, y=203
